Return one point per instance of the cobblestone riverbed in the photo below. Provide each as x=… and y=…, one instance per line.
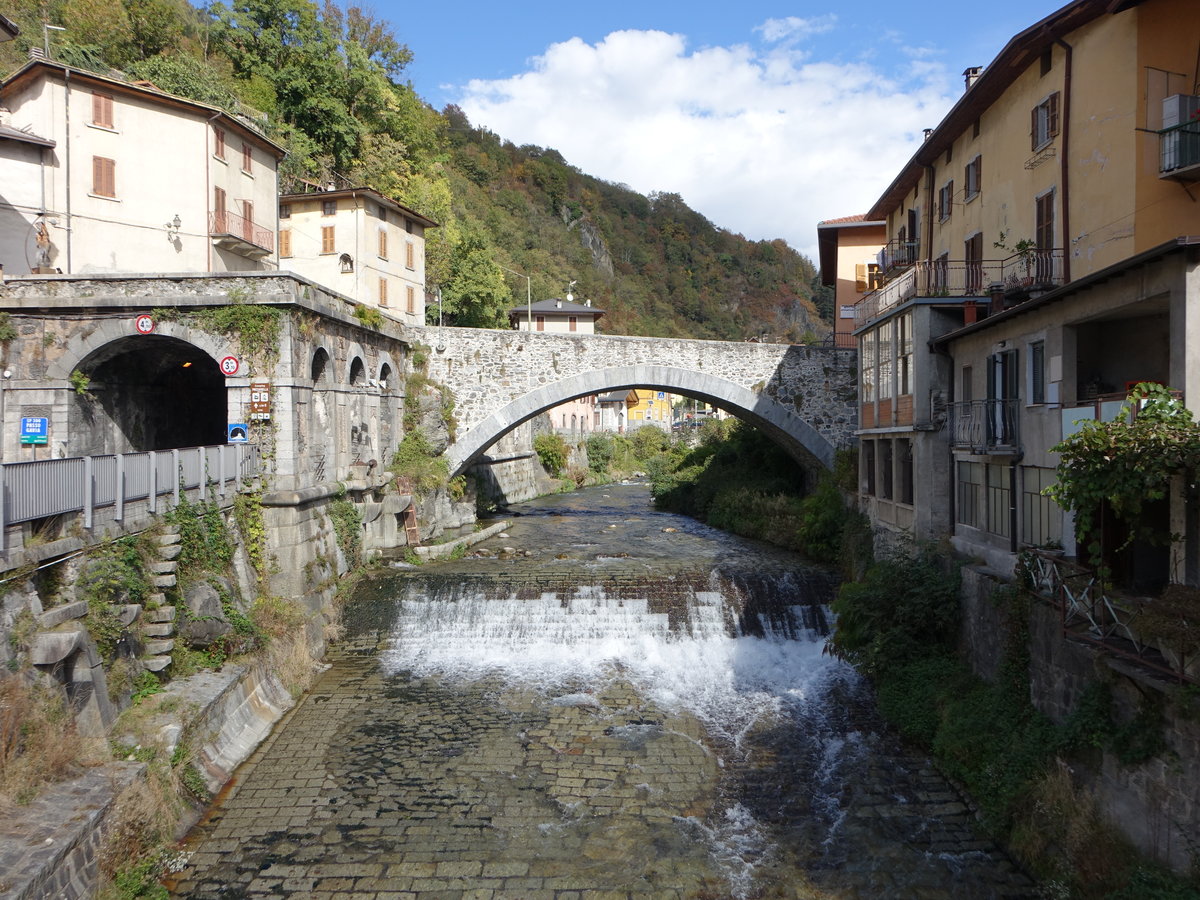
x=605, y=702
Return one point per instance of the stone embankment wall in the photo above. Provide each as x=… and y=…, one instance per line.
x=1155, y=803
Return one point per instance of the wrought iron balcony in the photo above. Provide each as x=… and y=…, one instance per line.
x=239, y=235
x=1032, y=270
x=924, y=278
x=985, y=426
x=897, y=254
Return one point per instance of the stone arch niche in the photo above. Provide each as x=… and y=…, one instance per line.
x=808, y=446
x=147, y=392
x=322, y=424
x=361, y=443
x=387, y=411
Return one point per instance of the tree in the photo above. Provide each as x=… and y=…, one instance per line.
x=476, y=294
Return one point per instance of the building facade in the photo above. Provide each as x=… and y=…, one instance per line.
x=1036, y=264
x=360, y=243
x=133, y=180
x=849, y=250
x=556, y=315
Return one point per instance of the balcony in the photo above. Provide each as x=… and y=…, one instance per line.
x=897, y=254
x=985, y=426
x=1179, y=152
x=1020, y=274
x=239, y=235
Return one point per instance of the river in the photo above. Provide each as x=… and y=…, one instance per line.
x=603, y=702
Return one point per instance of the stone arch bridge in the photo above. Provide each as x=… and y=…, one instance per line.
x=803, y=397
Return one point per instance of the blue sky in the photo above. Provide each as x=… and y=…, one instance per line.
x=765, y=117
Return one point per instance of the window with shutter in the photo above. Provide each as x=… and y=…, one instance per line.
x=1043, y=232
x=219, y=143
x=572, y=323
x=219, y=225
x=1044, y=122
x=408, y=255
x=285, y=211
x=247, y=158
x=945, y=201
x=1037, y=372
x=383, y=292
x=104, y=177
x=102, y=110
x=972, y=177
x=382, y=243
x=410, y=300
x=861, y=278
x=285, y=242
x=327, y=242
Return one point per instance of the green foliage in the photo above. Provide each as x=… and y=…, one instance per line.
x=347, y=526
x=139, y=881
x=1120, y=465
x=8, y=331
x=81, y=384
x=187, y=76
x=906, y=608
x=475, y=295
x=552, y=451
x=414, y=459
x=369, y=316
x=254, y=327
x=600, y=449
x=147, y=684
x=205, y=542
x=115, y=576
x=648, y=441
x=247, y=512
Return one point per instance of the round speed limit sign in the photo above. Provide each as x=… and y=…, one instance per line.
x=143, y=324
x=230, y=365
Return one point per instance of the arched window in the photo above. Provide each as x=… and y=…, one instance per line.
x=358, y=372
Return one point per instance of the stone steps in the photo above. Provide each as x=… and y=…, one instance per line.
x=158, y=623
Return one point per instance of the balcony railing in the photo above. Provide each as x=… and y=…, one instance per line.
x=1032, y=270
x=1179, y=152
x=985, y=426
x=897, y=254
x=239, y=234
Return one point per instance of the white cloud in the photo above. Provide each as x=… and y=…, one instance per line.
x=795, y=28
x=762, y=140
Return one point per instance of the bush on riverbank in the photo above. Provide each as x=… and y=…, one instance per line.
x=899, y=625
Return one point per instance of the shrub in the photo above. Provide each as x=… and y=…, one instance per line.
x=600, y=450
x=552, y=451
x=414, y=459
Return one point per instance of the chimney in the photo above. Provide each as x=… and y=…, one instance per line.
x=928, y=133
x=971, y=75
x=587, y=302
x=558, y=303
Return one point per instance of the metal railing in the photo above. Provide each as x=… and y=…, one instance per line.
x=897, y=253
x=985, y=426
x=936, y=278
x=52, y=487
x=1032, y=269
x=1179, y=148
x=1098, y=616
x=222, y=222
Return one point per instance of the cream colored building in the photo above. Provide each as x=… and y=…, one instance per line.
x=136, y=180
x=557, y=315
x=359, y=243
x=1041, y=241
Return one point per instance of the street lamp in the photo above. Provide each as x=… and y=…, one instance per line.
x=528, y=296
x=46, y=29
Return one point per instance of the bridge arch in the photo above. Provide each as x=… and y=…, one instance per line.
x=799, y=438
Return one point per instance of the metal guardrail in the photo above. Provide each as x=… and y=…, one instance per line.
x=1092, y=614
x=985, y=426
x=225, y=222
x=52, y=487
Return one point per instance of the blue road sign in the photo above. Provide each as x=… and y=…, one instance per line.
x=35, y=430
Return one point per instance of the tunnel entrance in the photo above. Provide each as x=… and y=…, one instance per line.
x=149, y=392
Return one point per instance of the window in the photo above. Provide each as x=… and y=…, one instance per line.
x=973, y=257
x=219, y=143
x=949, y=154
x=219, y=209
x=966, y=389
x=867, y=277
x=1003, y=385
x=541, y=322
x=102, y=110
x=999, y=517
x=969, y=483
x=975, y=129
x=327, y=241
x=884, y=372
x=1043, y=232
x=1044, y=124
x=247, y=158
x=1037, y=372
x=904, y=354
x=940, y=276
x=885, y=470
x=572, y=323
x=329, y=207
x=904, y=471
x=285, y=211
x=971, y=177
x=408, y=255
x=104, y=177
x=247, y=217
x=285, y=242
x=868, y=470
x=945, y=201
x=867, y=354
x=382, y=243
x=1047, y=60
x=410, y=300
x=408, y=225
x=1041, y=517
x=383, y=292
x=382, y=212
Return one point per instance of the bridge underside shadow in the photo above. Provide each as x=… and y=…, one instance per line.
x=808, y=446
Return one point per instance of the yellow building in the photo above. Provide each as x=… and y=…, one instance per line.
x=849, y=249
x=647, y=406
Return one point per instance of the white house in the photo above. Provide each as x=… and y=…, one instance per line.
x=131, y=179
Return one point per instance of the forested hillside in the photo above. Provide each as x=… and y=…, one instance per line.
x=328, y=84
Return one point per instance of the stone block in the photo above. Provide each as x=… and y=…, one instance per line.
x=154, y=648
x=129, y=613
x=162, y=567
x=52, y=618
x=156, y=663
x=158, y=629
x=162, y=614
x=163, y=581
x=167, y=538
x=171, y=551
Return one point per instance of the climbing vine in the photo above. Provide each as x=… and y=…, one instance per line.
x=347, y=526
x=1124, y=463
x=247, y=511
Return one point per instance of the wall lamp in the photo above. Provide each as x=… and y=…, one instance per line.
x=172, y=228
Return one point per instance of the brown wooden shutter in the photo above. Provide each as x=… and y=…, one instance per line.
x=219, y=140
x=411, y=300
x=383, y=243
x=1033, y=129
x=104, y=177
x=102, y=110
x=327, y=241
x=285, y=242
x=383, y=292
x=408, y=255
x=1052, y=115
x=861, y=278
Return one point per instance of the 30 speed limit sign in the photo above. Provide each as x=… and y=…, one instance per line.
x=230, y=365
